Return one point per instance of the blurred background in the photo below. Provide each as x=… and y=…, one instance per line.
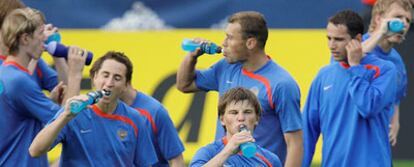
x=150, y=33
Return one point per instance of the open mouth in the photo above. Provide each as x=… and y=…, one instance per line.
x=106, y=92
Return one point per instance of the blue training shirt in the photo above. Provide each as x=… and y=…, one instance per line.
x=94, y=138
x=394, y=57
x=263, y=157
x=349, y=106
x=278, y=93
x=162, y=131
x=25, y=110
x=44, y=75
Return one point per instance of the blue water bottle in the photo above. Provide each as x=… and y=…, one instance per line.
x=207, y=47
x=59, y=50
x=248, y=149
x=54, y=37
x=93, y=97
x=395, y=26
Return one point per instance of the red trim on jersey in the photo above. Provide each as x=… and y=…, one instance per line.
x=100, y=113
x=39, y=72
x=344, y=65
x=265, y=160
x=373, y=67
x=147, y=115
x=13, y=63
x=3, y=57
x=367, y=66
x=369, y=2
x=266, y=83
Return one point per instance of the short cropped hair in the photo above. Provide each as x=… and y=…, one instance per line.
x=351, y=20
x=253, y=24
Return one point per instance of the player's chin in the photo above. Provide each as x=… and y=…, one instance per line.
x=230, y=60
x=338, y=58
x=397, y=38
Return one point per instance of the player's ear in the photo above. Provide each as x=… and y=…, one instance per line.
x=359, y=37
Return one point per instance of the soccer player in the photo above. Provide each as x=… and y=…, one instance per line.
x=247, y=65
x=348, y=101
x=237, y=107
x=380, y=41
x=163, y=134
x=46, y=77
x=108, y=133
x=25, y=109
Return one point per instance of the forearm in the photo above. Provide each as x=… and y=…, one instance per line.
x=294, y=156
x=294, y=143
x=396, y=116
x=73, y=88
x=219, y=159
x=395, y=121
x=62, y=69
x=177, y=161
x=369, y=44
x=45, y=138
x=186, y=74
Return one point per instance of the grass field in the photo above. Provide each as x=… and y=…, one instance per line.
x=397, y=163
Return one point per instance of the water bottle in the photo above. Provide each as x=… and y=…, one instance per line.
x=248, y=149
x=93, y=97
x=206, y=47
x=58, y=50
x=54, y=37
x=395, y=26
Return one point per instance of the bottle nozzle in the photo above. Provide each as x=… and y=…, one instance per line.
x=106, y=92
x=219, y=49
x=243, y=128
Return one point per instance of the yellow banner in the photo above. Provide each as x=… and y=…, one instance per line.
x=156, y=56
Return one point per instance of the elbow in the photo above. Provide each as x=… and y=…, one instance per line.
x=177, y=161
x=183, y=88
x=35, y=152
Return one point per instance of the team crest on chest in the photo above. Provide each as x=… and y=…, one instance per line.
x=122, y=134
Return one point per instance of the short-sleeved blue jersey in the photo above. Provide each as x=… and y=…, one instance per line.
x=25, y=110
x=94, y=138
x=44, y=75
x=163, y=133
x=278, y=93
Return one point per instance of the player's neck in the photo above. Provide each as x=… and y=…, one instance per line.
x=385, y=45
x=129, y=96
x=107, y=108
x=256, y=61
x=20, y=59
x=3, y=49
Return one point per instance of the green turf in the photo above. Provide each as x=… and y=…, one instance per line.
x=397, y=163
